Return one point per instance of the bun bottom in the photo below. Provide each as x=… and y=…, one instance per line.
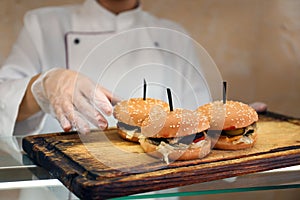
x=124, y=135
x=225, y=143
x=176, y=154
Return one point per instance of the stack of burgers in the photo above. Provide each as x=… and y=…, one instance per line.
x=181, y=134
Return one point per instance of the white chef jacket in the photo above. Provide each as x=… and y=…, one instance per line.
x=41, y=46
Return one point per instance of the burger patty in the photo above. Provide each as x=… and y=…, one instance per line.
x=176, y=140
x=244, y=131
x=128, y=127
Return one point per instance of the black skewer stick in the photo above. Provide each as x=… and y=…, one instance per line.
x=170, y=99
x=224, y=92
x=145, y=90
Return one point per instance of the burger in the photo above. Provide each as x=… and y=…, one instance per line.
x=176, y=135
x=234, y=121
x=131, y=114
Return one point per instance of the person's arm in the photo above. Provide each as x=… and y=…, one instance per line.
x=28, y=106
x=21, y=64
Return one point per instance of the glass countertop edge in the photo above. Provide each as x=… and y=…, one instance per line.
x=29, y=184
x=206, y=192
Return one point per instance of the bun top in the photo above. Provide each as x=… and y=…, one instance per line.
x=134, y=111
x=229, y=116
x=178, y=123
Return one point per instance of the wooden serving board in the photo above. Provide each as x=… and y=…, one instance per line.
x=101, y=165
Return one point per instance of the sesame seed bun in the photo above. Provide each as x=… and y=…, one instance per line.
x=237, y=114
x=134, y=111
x=178, y=123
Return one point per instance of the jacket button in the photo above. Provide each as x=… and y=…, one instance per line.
x=76, y=41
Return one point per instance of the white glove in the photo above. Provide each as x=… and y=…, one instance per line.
x=259, y=106
x=73, y=99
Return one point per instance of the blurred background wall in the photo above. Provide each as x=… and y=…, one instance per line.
x=255, y=44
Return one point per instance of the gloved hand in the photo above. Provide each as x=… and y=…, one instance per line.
x=259, y=106
x=73, y=99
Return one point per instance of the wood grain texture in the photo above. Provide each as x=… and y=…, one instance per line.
x=101, y=165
